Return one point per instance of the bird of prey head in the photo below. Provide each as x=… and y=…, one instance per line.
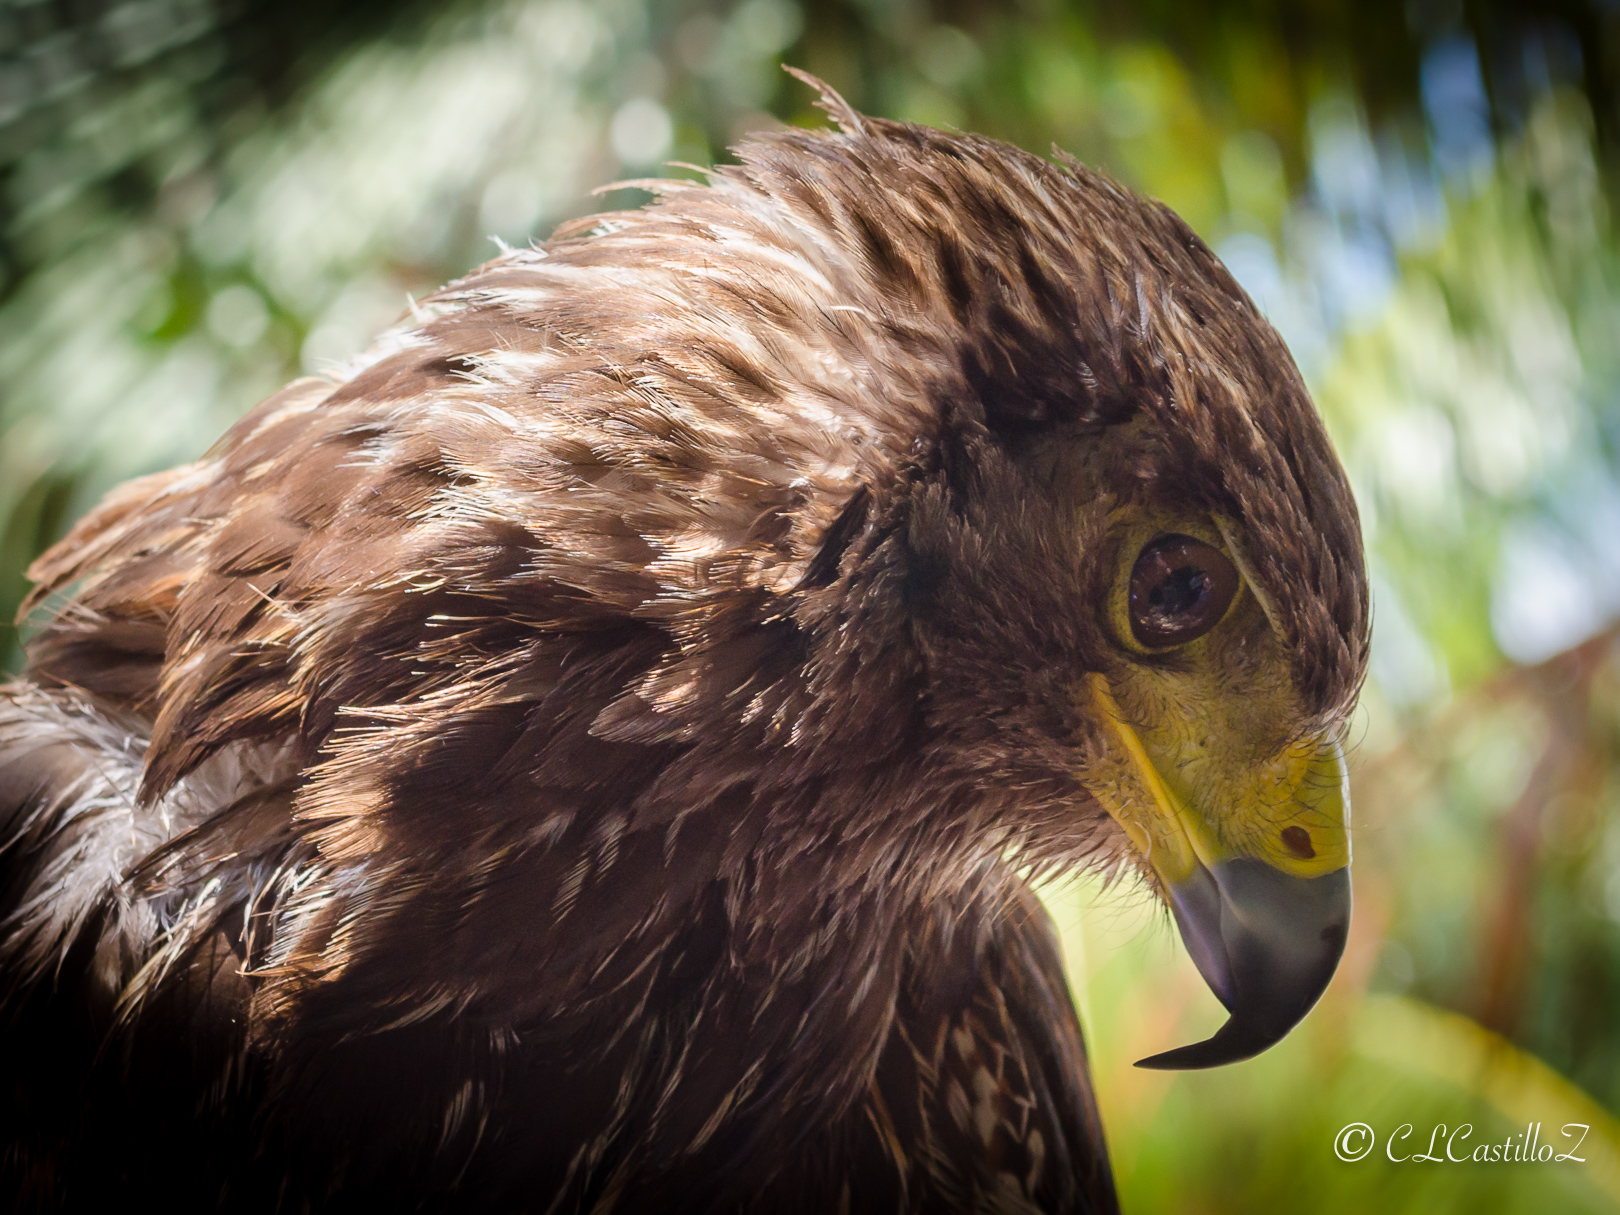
x=602, y=735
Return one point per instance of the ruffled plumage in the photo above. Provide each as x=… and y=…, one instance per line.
x=581, y=756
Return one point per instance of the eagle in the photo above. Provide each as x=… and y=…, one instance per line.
x=596, y=751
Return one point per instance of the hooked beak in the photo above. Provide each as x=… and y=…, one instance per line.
x=1264, y=920
x=1266, y=942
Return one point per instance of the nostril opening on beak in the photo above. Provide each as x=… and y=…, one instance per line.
x=1298, y=841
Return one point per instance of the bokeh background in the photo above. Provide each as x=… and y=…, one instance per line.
x=202, y=198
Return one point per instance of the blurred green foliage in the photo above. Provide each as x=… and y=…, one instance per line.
x=202, y=198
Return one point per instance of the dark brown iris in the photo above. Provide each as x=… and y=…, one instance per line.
x=1180, y=588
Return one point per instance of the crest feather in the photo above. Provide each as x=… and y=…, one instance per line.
x=839, y=110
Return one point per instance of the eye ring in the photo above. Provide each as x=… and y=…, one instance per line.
x=1180, y=589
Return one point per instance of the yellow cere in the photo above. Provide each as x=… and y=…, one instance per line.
x=1291, y=812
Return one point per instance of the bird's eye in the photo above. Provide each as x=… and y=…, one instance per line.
x=1180, y=589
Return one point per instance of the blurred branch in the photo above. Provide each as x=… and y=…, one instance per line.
x=1417, y=1038
x=1561, y=688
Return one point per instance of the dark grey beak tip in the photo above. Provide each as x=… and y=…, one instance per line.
x=1267, y=943
x=1211, y=1052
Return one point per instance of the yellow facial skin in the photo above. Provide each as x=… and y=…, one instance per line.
x=1302, y=788
x=1198, y=762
